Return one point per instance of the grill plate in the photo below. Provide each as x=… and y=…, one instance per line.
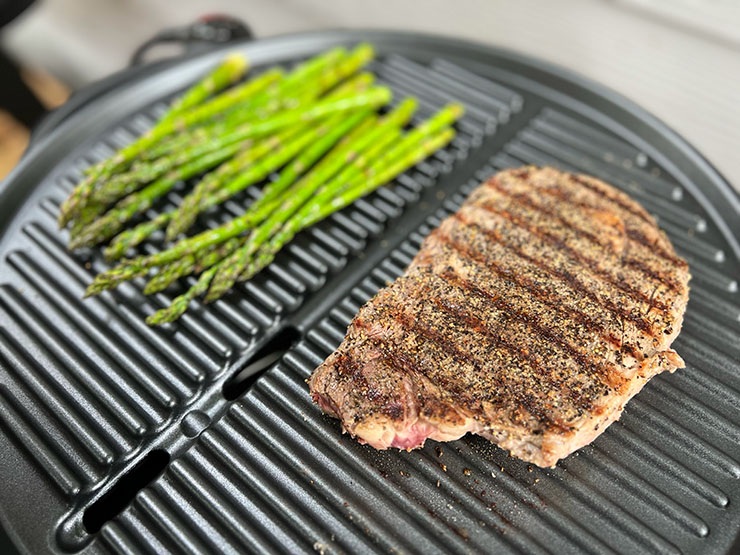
x=87, y=391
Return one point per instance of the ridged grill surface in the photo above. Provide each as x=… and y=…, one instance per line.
x=87, y=389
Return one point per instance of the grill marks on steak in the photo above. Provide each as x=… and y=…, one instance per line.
x=530, y=317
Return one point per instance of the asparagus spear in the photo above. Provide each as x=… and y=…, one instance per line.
x=304, y=92
x=132, y=237
x=168, y=274
x=278, y=95
x=228, y=72
x=180, y=304
x=113, y=220
x=322, y=207
x=305, y=72
x=329, y=201
x=205, y=258
x=341, y=154
x=328, y=75
x=302, y=86
x=233, y=267
x=192, y=263
x=326, y=134
x=308, y=217
x=129, y=181
x=233, y=67
x=260, y=160
x=221, y=149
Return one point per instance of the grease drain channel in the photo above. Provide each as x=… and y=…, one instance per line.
x=240, y=382
x=123, y=492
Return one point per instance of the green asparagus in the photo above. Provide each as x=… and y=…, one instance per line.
x=260, y=159
x=127, y=182
x=325, y=170
x=228, y=72
x=132, y=237
x=307, y=71
x=311, y=214
x=113, y=221
x=191, y=264
x=322, y=207
x=209, y=194
x=367, y=151
x=233, y=67
x=180, y=304
x=221, y=149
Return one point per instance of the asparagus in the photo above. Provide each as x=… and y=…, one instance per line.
x=113, y=220
x=372, y=98
x=309, y=215
x=322, y=73
x=221, y=149
x=229, y=71
x=234, y=266
x=321, y=207
x=275, y=97
x=402, y=157
x=388, y=169
x=130, y=268
x=207, y=257
x=324, y=136
x=331, y=76
x=132, y=237
x=168, y=274
x=365, y=149
x=233, y=67
x=305, y=72
x=302, y=86
x=193, y=263
x=260, y=160
x=341, y=154
x=180, y=304
x=127, y=182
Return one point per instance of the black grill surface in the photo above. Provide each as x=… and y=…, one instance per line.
x=210, y=420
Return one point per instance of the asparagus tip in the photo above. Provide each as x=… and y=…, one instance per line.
x=95, y=288
x=168, y=314
x=456, y=108
x=237, y=60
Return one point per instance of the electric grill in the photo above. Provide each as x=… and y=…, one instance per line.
x=200, y=436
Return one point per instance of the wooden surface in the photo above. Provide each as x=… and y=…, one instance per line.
x=13, y=135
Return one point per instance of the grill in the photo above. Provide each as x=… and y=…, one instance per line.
x=200, y=436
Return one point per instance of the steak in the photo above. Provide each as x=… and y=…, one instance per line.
x=530, y=317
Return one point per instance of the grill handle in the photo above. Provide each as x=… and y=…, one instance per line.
x=206, y=32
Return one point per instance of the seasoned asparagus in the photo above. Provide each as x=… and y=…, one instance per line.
x=229, y=71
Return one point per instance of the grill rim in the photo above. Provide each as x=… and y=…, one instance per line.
x=13, y=190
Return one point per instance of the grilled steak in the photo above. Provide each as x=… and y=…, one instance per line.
x=530, y=317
